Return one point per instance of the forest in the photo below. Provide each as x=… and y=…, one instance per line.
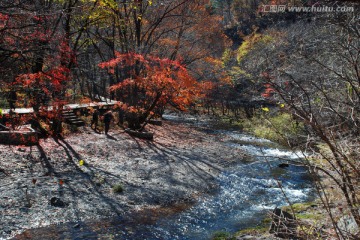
x=257, y=101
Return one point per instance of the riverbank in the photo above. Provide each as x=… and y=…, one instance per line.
x=313, y=218
x=91, y=176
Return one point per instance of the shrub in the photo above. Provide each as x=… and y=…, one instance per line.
x=118, y=188
x=281, y=128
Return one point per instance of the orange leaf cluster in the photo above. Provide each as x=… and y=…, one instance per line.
x=159, y=80
x=49, y=80
x=268, y=91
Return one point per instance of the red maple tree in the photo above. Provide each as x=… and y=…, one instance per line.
x=150, y=84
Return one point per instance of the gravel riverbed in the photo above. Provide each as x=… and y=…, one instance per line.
x=72, y=179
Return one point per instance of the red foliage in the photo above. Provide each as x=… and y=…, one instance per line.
x=51, y=80
x=269, y=91
x=152, y=83
x=40, y=35
x=66, y=53
x=3, y=20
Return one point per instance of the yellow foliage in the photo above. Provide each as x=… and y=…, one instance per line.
x=214, y=61
x=226, y=57
x=108, y=3
x=249, y=43
x=243, y=50
x=236, y=71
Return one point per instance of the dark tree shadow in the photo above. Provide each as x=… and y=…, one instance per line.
x=45, y=162
x=111, y=137
x=84, y=176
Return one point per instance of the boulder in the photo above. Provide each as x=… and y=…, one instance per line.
x=283, y=224
x=283, y=165
x=57, y=202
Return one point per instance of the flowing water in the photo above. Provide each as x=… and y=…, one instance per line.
x=246, y=193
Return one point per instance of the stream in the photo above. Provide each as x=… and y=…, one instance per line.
x=246, y=193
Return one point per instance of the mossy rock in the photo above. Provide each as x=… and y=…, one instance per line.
x=299, y=207
x=257, y=230
x=309, y=216
x=222, y=235
x=304, y=211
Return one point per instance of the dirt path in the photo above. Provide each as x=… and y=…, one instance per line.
x=179, y=165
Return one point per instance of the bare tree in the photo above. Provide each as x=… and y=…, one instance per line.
x=315, y=74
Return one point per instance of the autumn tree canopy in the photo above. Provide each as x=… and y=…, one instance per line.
x=152, y=83
x=50, y=50
x=35, y=56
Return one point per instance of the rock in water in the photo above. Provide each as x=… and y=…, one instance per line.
x=283, y=165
